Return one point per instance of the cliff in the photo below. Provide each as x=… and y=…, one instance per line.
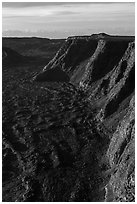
x=121, y=154
x=103, y=67
x=69, y=134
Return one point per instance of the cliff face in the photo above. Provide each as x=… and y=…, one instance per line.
x=104, y=68
x=121, y=154
x=71, y=137
x=101, y=65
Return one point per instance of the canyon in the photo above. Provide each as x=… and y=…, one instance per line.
x=69, y=128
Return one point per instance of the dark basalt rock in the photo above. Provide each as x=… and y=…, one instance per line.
x=73, y=140
x=10, y=56
x=53, y=75
x=60, y=147
x=121, y=154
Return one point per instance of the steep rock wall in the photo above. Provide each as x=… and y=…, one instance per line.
x=104, y=67
x=121, y=154
x=74, y=141
x=101, y=65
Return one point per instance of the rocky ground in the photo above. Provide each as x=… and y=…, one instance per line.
x=71, y=139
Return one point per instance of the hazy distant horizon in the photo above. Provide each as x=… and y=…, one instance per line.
x=60, y=20
x=63, y=38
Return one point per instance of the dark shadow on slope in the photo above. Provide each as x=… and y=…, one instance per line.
x=126, y=90
x=122, y=70
x=53, y=75
x=105, y=62
x=79, y=51
x=10, y=56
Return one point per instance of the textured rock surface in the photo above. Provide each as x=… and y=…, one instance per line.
x=73, y=141
x=103, y=66
x=55, y=148
x=121, y=154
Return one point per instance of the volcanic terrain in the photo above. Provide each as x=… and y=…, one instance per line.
x=69, y=128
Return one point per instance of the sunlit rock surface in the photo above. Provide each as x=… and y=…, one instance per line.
x=72, y=140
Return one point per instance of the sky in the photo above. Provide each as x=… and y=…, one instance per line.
x=60, y=20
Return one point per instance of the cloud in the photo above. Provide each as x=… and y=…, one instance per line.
x=42, y=4
x=77, y=18
x=28, y=4
x=9, y=12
